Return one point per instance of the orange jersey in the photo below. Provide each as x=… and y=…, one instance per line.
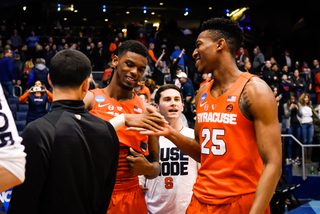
x=108, y=108
x=230, y=162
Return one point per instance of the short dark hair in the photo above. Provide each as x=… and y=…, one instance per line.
x=69, y=68
x=166, y=87
x=226, y=29
x=133, y=46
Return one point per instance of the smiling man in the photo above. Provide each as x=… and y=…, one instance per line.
x=237, y=133
x=117, y=99
x=171, y=191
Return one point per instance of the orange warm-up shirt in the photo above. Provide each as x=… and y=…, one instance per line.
x=151, y=54
x=107, y=108
x=230, y=162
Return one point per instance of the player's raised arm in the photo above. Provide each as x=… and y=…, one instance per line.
x=258, y=101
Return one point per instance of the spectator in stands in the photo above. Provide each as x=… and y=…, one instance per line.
x=274, y=62
x=49, y=42
x=205, y=78
x=307, y=124
x=152, y=59
x=246, y=67
x=285, y=59
x=31, y=40
x=113, y=48
x=38, y=97
x=242, y=57
x=298, y=84
x=275, y=71
x=285, y=70
x=144, y=97
x=150, y=83
x=24, y=53
x=18, y=62
x=99, y=57
x=258, y=61
x=238, y=54
x=183, y=58
x=293, y=114
x=49, y=53
x=6, y=73
x=188, y=94
x=25, y=75
x=12, y=156
x=159, y=70
x=142, y=39
x=15, y=39
x=268, y=75
x=175, y=66
x=40, y=53
x=314, y=72
x=285, y=88
x=39, y=72
x=62, y=44
x=16, y=68
x=144, y=89
x=279, y=104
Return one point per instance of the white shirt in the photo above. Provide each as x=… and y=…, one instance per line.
x=306, y=114
x=12, y=156
x=171, y=191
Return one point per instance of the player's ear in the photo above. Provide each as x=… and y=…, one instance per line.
x=85, y=84
x=221, y=44
x=115, y=61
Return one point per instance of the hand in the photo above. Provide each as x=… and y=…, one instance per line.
x=144, y=189
x=150, y=120
x=138, y=164
x=44, y=89
x=163, y=51
x=31, y=90
x=164, y=132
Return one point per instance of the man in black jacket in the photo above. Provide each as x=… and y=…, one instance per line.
x=72, y=155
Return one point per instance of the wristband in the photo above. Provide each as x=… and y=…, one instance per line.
x=117, y=122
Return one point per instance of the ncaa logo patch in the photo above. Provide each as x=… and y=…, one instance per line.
x=99, y=99
x=229, y=108
x=203, y=97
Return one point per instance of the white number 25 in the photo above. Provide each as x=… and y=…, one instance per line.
x=218, y=147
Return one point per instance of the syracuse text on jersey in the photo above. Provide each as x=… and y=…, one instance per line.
x=217, y=117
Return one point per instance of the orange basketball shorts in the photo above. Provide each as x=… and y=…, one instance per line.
x=241, y=206
x=127, y=198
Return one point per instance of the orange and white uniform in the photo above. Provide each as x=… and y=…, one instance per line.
x=127, y=196
x=230, y=162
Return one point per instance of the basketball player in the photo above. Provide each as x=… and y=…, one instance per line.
x=117, y=99
x=171, y=191
x=72, y=155
x=12, y=157
x=237, y=134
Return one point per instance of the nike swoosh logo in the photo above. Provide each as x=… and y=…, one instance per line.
x=201, y=104
x=99, y=105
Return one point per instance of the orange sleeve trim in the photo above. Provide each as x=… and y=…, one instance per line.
x=50, y=96
x=24, y=97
